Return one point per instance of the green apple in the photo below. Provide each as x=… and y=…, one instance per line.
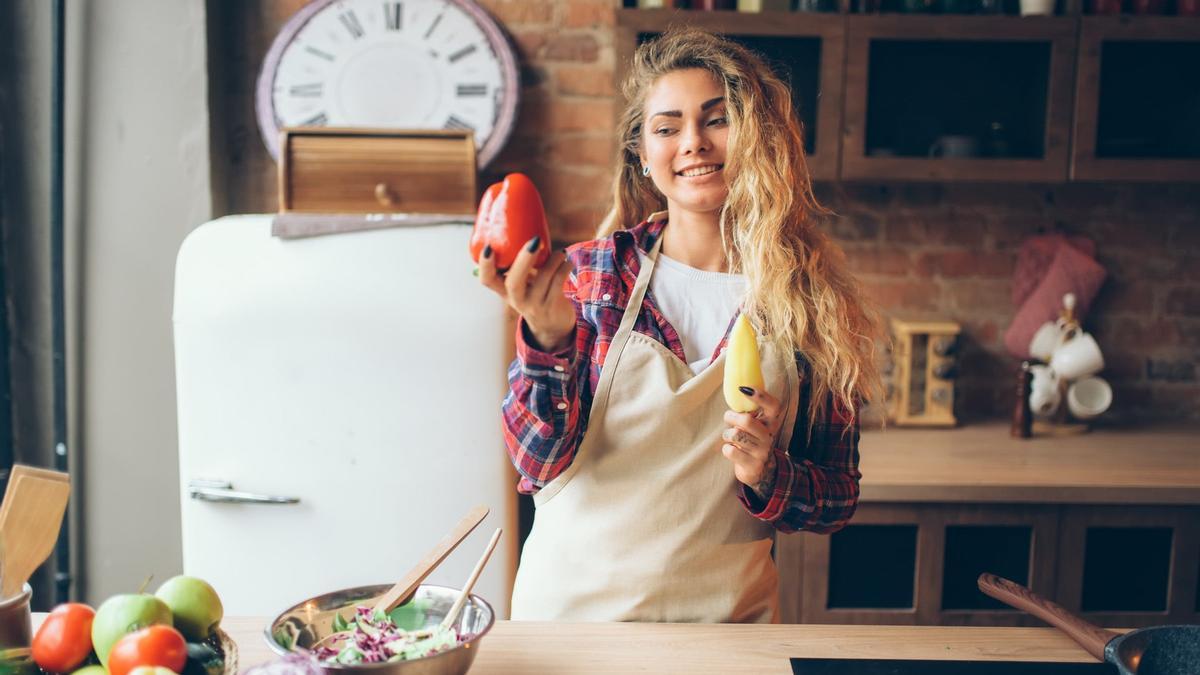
x=93, y=669
x=194, y=604
x=123, y=614
x=151, y=670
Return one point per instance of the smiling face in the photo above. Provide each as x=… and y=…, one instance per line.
x=684, y=139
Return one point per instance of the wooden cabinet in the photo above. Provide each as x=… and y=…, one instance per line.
x=940, y=507
x=1130, y=566
x=1137, y=99
x=806, y=49
x=957, y=98
x=917, y=564
x=912, y=97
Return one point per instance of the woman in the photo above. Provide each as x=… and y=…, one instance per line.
x=655, y=502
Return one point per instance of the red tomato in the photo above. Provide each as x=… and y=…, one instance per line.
x=64, y=639
x=510, y=214
x=151, y=646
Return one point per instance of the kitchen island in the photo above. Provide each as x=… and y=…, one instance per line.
x=521, y=647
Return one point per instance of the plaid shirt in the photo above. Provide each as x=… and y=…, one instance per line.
x=546, y=410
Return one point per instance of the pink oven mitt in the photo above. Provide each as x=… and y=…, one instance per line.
x=1034, y=258
x=1069, y=271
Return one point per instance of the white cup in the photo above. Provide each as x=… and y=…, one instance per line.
x=1089, y=397
x=1077, y=358
x=1044, y=395
x=1047, y=338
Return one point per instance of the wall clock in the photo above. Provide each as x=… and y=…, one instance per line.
x=412, y=64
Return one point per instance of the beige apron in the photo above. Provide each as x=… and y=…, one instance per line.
x=645, y=524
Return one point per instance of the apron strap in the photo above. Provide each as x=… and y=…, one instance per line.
x=632, y=309
x=604, y=386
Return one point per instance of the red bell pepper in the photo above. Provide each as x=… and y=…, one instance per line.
x=510, y=214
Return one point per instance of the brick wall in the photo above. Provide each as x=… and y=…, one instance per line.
x=564, y=134
x=932, y=251
x=947, y=251
x=927, y=251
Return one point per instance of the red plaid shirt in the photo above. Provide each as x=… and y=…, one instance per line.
x=550, y=396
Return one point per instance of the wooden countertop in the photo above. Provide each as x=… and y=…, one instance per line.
x=982, y=463
x=565, y=648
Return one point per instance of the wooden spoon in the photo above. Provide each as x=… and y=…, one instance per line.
x=452, y=615
x=404, y=589
x=30, y=518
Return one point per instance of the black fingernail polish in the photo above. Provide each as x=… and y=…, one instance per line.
x=487, y=251
x=746, y=390
x=533, y=244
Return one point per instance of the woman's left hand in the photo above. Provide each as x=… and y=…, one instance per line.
x=749, y=442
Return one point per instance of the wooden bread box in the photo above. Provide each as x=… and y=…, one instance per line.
x=355, y=171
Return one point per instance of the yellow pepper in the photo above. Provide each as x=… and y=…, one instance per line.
x=742, y=366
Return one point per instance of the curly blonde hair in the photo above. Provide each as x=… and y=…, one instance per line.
x=800, y=293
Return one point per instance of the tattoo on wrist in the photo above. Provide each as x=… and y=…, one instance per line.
x=763, y=487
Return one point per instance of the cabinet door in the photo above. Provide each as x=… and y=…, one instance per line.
x=1017, y=542
x=949, y=98
x=805, y=49
x=876, y=570
x=1138, y=99
x=1130, y=566
x=918, y=564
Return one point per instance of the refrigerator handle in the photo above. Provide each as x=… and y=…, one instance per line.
x=208, y=490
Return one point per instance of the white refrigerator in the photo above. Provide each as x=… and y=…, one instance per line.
x=339, y=411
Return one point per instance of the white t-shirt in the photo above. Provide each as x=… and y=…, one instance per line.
x=697, y=303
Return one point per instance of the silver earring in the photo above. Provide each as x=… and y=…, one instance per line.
x=645, y=171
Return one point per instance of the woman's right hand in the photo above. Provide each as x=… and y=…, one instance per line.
x=535, y=293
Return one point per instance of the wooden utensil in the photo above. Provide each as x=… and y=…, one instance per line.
x=1160, y=650
x=403, y=590
x=407, y=585
x=452, y=615
x=19, y=470
x=30, y=518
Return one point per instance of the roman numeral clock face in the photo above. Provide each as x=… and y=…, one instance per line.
x=411, y=64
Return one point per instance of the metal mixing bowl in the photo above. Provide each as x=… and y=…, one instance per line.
x=303, y=624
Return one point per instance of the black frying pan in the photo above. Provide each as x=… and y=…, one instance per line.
x=1161, y=650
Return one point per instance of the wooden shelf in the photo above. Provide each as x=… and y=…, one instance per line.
x=1088, y=162
x=731, y=23
x=1067, y=121
x=821, y=76
x=982, y=463
x=980, y=40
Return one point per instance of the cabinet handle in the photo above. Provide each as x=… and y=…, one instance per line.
x=222, y=491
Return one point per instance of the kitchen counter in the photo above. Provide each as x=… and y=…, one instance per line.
x=564, y=648
x=1061, y=514
x=982, y=463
